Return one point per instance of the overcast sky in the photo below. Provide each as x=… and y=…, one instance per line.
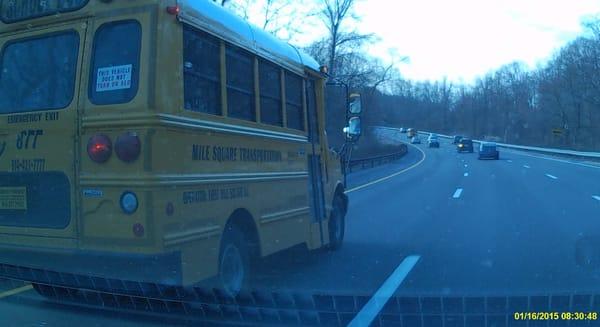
x=463, y=39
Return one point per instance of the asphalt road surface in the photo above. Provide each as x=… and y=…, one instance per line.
x=476, y=228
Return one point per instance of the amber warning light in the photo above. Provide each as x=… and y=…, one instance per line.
x=173, y=10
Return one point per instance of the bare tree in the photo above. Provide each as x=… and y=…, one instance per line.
x=283, y=18
x=333, y=14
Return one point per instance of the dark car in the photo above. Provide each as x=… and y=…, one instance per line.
x=465, y=145
x=434, y=143
x=415, y=140
x=456, y=139
x=403, y=130
x=488, y=150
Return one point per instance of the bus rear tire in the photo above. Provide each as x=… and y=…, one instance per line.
x=337, y=224
x=234, y=261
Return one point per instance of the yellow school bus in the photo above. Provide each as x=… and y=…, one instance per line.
x=157, y=141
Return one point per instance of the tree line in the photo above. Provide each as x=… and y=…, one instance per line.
x=555, y=105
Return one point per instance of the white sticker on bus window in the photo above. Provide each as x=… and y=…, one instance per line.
x=113, y=78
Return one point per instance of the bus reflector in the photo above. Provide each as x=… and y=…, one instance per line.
x=99, y=148
x=170, y=209
x=127, y=147
x=173, y=10
x=138, y=230
x=129, y=202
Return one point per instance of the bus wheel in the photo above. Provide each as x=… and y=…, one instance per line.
x=234, y=267
x=336, y=224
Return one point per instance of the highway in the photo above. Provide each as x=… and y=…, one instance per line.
x=476, y=228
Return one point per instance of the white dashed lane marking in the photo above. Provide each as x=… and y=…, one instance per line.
x=466, y=174
x=370, y=311
x=526, y=166
x=551, y=176
x=457, y=193
x=596, y=197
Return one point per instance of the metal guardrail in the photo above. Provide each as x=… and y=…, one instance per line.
x=371, y=162
x=571, y=153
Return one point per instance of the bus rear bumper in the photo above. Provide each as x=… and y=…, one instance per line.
x=89, y=269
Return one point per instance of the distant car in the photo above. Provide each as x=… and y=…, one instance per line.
x=434, y=143
x=415, y=140
x=402, y=130
x=465, y=145
x=456, y=139
x=432, y=137
x=488, y=150
x=411, y=132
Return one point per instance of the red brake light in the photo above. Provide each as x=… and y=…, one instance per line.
x=128, y=147
x=173, y=10
x=99, y=148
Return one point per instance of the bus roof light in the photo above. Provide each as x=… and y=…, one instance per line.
x=173, y=10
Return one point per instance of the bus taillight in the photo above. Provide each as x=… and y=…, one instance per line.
x=99, y=148
x=127, y=147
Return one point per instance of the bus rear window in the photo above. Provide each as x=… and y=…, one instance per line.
x=115, y=63
x=38, y=73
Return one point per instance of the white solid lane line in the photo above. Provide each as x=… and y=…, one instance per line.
x=553, y=159
x=466, y=174
x=389, y=176
x=596, y=197
x=367, y=314
x=551, y=176
x=457, y=193
x=526, y=166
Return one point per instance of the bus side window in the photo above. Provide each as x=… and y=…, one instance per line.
x=293, y=101
x=115, y=62
x=201, y=72
x=240, y=84
x=270, y=93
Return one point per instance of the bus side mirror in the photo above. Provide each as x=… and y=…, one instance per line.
x=354, y=105
x=353, y=130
